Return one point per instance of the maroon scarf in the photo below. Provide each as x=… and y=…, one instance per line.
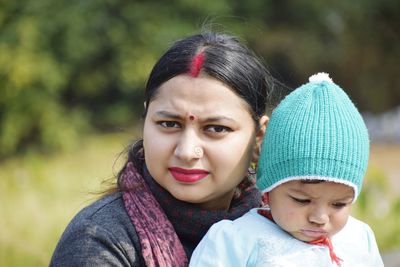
x=164, y=223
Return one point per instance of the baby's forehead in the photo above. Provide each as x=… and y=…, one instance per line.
x=306, y=182
x=318, y=187
x=311, y=181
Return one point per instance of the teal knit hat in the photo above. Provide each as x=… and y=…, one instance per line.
x=316, y=132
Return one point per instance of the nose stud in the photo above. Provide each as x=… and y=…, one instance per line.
x=198, y=151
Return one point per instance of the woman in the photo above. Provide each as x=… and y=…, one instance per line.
x=205, y=103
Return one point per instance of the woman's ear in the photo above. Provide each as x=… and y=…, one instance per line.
x=263, y=123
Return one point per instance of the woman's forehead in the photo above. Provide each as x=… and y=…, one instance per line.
x=199, y=96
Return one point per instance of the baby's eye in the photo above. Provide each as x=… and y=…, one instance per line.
x=301, y=200
x=218, y=129
x=339, y=205
x=169, y=124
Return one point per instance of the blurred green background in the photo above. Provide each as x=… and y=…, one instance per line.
x=72, y=75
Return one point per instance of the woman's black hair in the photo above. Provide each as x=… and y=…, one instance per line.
x=225, y=59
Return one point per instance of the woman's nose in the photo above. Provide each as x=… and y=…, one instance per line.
x=189, y=146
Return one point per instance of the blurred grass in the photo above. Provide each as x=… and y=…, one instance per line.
x=39, y=194
x=379, y=202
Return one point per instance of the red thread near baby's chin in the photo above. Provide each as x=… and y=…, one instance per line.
x=196, y=64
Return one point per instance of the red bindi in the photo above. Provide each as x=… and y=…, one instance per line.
x=191, y=117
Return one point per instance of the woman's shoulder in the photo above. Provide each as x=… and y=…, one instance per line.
x=101, y=232
x=104, y=210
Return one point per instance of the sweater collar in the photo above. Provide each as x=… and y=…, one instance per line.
x=191, y=222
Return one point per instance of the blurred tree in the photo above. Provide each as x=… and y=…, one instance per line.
x=70, y=66
x=357, y=42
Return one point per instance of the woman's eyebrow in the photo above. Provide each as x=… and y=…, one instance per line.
x=212, y=119
x=167, y=114
x=218, y=118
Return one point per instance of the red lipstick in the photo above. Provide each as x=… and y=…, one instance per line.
x=188, y=175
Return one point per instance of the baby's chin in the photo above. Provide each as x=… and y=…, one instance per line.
x=309, y=236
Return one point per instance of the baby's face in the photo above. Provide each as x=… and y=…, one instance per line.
x=309, y=211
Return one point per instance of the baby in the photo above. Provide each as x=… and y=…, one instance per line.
x=313, y=160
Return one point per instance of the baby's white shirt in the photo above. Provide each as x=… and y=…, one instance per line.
x=253, y=240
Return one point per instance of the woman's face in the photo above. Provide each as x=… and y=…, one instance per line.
x=199, y=138
x=309, y=211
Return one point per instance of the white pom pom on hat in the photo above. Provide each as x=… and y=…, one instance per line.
x=320, y=77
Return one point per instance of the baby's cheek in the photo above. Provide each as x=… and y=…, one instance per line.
x=291, y=213
x=287, y=217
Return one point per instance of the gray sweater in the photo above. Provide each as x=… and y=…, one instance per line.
x=102, y=234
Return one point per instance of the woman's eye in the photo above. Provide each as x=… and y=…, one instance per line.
x=169, y=124
x=217, y=129
x=301, y=200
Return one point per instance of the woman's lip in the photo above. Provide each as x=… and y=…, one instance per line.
x=188, y=175
x=314, y=233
